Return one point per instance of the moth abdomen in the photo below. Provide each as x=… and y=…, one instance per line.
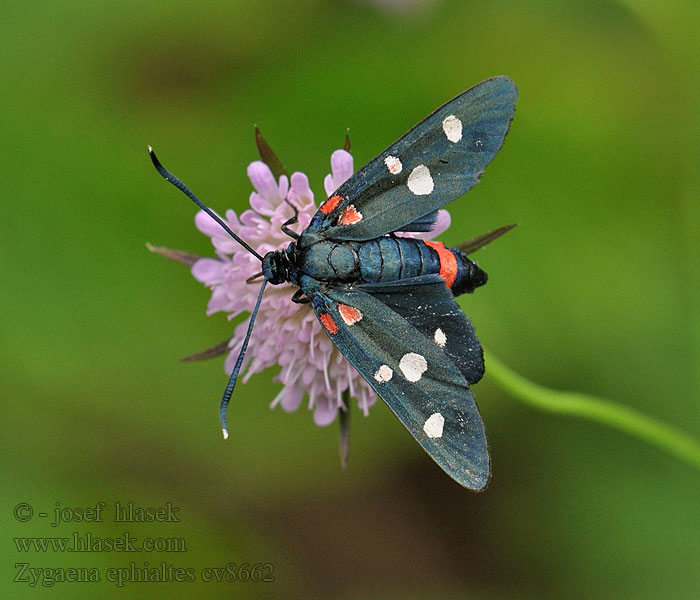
x=469, y=275
x=393, y=259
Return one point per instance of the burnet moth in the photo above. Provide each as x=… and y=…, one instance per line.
x=387, y=302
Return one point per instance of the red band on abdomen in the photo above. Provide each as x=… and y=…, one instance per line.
x=448, y=262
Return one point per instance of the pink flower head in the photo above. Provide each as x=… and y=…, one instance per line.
x=285, y=333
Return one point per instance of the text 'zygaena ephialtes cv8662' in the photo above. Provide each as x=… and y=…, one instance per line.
x=387, y=301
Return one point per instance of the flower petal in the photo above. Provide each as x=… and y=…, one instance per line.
x=300, y=193
x=329, y=185
x=208, y=270
x=207, y=225
x=262, y=179
x=219, y=301
x=342, y=166
x=341, y=170
x=325, y=412
x=291, y=398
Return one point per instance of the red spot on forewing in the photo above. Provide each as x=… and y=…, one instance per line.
x=328, y=322
x=330, y=204
x=448, y=262
x=350, y=216
x=350, y=315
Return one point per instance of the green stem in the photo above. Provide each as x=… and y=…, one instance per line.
x=625, y=419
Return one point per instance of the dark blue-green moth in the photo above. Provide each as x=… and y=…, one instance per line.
x=387, y=302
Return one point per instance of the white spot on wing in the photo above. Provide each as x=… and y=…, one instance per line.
x=452, y=127
x=384, y=374
x=413, y=366
x=440, y=337
x=433, y=425
x=420, y=182
x=393, y=164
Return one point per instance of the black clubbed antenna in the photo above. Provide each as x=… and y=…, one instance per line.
x=239, y=361
x=168, y=176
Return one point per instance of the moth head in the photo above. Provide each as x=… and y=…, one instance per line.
x=275, y=267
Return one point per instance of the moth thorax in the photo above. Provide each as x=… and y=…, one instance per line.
x=277, y=266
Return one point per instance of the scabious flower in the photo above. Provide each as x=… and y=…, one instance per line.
x=285, y=333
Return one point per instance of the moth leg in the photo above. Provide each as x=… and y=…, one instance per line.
x=291, y=221
x=252, y=278
x=298, y=298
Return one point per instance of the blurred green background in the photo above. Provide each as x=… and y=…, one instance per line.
x=596, y=290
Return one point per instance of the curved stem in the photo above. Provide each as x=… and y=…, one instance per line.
x=675, y=442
